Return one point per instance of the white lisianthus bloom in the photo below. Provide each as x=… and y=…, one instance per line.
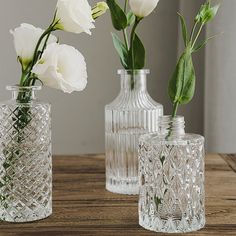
x=62, y=67
x=26, y=38
x=142, y=8
x=74, y=16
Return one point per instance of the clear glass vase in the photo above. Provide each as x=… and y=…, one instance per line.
x=171, y=175
x=25, y=157
x=130, y=115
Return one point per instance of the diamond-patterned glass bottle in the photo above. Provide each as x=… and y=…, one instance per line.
x=131, y=114
x=171, y=174
x=25, y=157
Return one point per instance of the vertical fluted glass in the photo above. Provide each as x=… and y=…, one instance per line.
x=130, y=115
x=171, y=176
x=25, y=157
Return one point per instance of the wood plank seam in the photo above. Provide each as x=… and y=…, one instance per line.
x=230, y=159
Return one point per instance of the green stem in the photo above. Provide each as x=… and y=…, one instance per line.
x=137, y=20
x=125, y=8
x=26, y=72
x=193, y=31
x=35, y=58
x=47, y=33
x=125, y=39
x=198, y=34
x=175, y=108
x=26, y=75
x=46, y=41
x=132, y=41
x=124, y=30
x=44, y=47
x=23, y=78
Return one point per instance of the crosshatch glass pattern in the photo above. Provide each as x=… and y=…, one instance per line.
x=25, y=161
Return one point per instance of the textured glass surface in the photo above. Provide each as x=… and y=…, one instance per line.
x=131, y=114
x=171, y=174
x=25, y=160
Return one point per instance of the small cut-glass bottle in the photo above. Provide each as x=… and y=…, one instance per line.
x=171, y=176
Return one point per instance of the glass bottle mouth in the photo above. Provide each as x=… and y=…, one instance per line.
x=135, y=72
x=172, y=126
x=23, y=88
x=23, y=94
x=169, y=118
x=133, y=80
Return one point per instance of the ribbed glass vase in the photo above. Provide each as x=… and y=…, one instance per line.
x=130, y=115
x=171, y=174
x=25, y=157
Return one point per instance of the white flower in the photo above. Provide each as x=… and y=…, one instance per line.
x=26, y=38
x=62, y=67
x=142, y=8
x=74, y=16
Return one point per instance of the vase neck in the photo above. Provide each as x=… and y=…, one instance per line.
x=170, y=126
x=133, y=81
x=23, y=94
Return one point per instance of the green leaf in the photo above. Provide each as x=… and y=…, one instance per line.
x=130, y=18
x=201, y=45
x=118, y=16
x=139, y=54
x=121, y=49
x=182, y=84
x=184, y=29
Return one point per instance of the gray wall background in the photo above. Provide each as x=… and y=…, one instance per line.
x=78, y=119
x=220, y=81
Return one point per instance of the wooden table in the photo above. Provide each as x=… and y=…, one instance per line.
x=83, y=207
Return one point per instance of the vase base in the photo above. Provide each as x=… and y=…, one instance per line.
x=127, y=187
x=23, y=219
x=171, y=225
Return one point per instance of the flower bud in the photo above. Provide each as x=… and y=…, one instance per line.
x=206, y=13
x=99, y=9
x=142, y=8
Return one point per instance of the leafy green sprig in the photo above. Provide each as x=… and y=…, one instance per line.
x=181, y=87
x=131, y=51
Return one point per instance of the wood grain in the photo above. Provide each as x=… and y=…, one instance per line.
x=82, y=206
x=230, y=160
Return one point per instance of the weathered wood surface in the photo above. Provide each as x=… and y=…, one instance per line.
x=83, y=207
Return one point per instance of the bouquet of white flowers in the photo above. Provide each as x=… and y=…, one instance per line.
x=43, y=58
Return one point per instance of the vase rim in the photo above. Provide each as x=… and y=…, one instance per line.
x=18, y=87
x=129, y=71
x=170, y=117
